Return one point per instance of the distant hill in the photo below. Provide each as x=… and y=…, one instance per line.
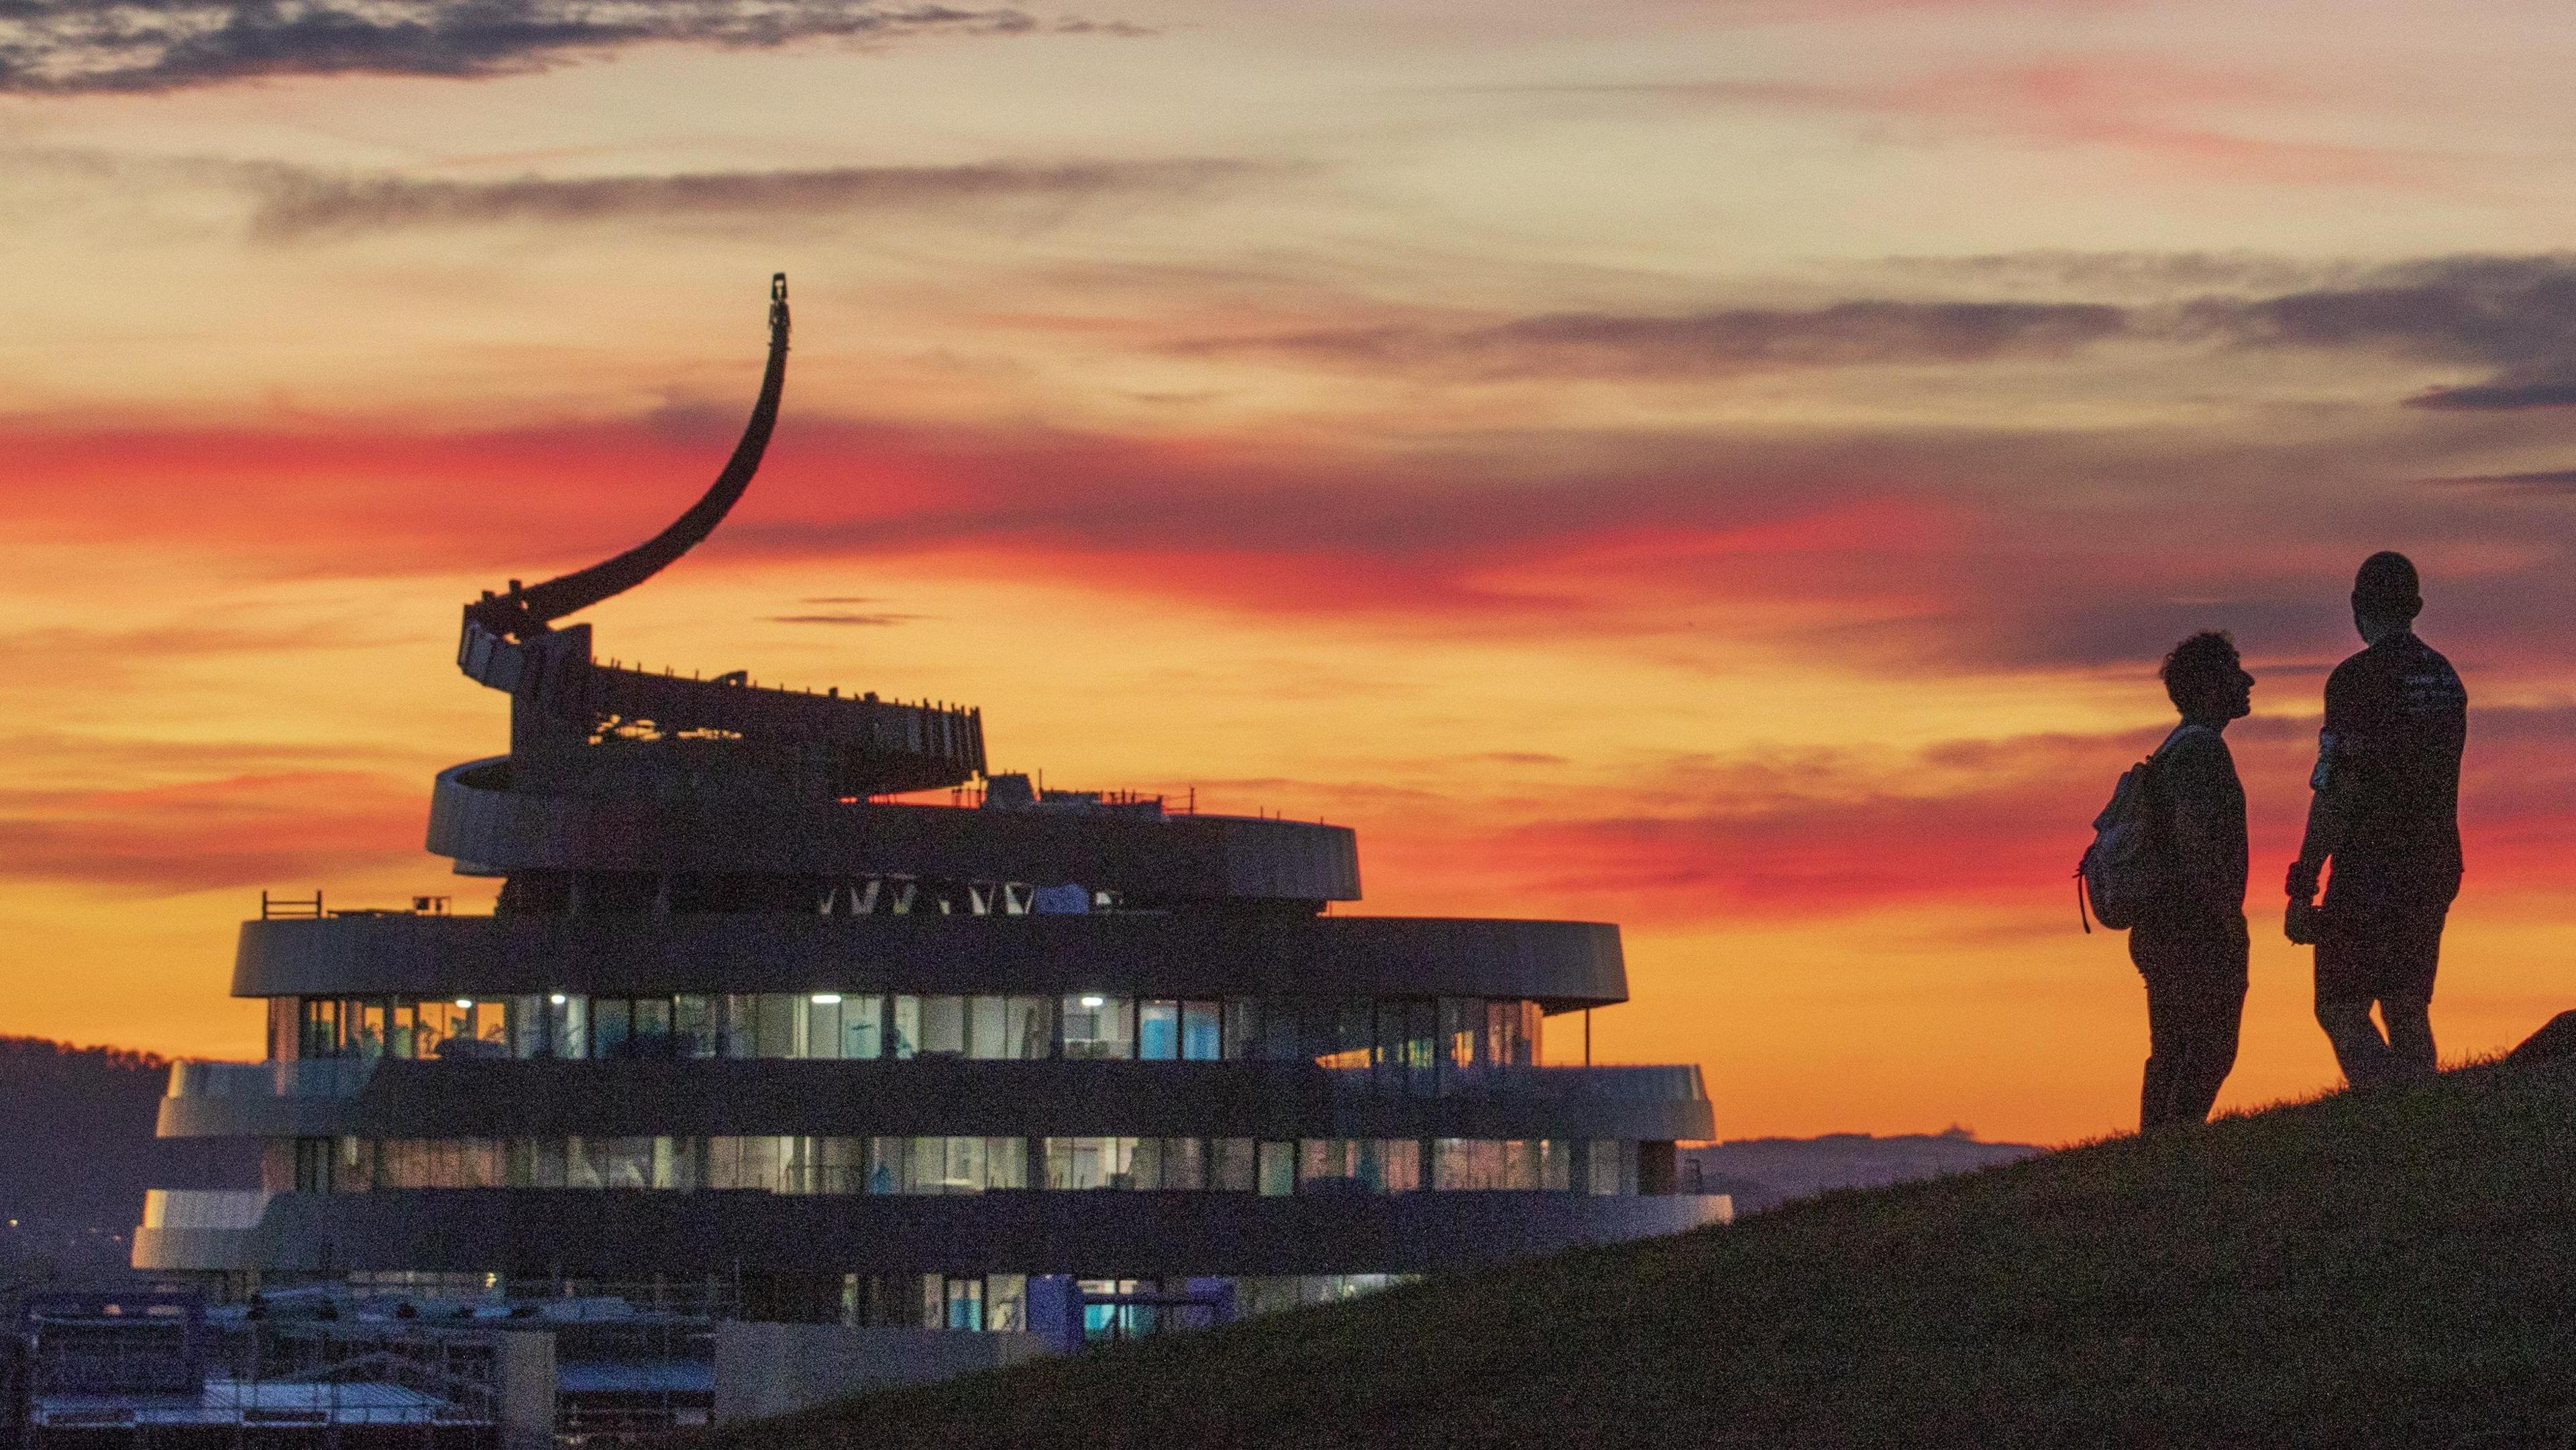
x=77, y=1151
x=1766, y=1172
x=2365, y=1272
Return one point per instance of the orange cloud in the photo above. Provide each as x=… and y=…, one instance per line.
x=233, y=831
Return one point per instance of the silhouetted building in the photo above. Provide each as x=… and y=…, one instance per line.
x=746, y=1038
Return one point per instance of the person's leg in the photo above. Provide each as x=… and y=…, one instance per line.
x=2414, y=947
x=2410, y=1035
x=2216, y=1016
x=2358, y=1048
x=2153, y=958
x=2343, y=1002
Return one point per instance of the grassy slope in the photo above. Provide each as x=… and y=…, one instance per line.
x=2373, y=1270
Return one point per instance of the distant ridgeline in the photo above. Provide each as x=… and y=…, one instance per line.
x=1763, y=1172
x=76, y=1152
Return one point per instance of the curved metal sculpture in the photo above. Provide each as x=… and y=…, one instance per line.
x=524, y=612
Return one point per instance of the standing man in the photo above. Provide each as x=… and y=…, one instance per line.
x=2190, y=943
x=2387, y=814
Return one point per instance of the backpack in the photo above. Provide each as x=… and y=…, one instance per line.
x=2130, y=862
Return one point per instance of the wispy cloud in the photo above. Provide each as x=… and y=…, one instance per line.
x=237, y=831
x=844, y=619
x=1997, y=821
x=1612, y=344
x=68, y=46
x=297, y=203
x=2514, y=314
x=2544, y=483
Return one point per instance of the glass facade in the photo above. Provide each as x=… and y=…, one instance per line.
x=1409, y=1046
x=917, y=1165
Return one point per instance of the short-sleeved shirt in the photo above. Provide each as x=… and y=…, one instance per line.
x=2396, y=720
x=2196, y=777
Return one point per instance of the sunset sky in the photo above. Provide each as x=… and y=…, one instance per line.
x=1727, y=467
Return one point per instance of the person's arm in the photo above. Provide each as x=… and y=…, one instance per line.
x=2330, y=813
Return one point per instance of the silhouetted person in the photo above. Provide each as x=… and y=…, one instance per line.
x=2190, y=944
x=2387, y=814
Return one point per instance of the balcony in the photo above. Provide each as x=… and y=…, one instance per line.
x=325, y=1077
x=190, y=1208
x=308, y=1098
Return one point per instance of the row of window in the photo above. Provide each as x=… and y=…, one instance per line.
x=1431, y=1039
x=1111, y=1309
x=915, y=1165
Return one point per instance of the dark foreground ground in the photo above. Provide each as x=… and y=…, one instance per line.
x=2367, y=1270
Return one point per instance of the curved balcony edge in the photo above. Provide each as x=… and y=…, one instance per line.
x=943, y=1096
x=633, y=1234
x=499, y=830
x=1564, y=964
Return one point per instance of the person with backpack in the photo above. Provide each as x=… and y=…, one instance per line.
x=2178, y=827
x=2387, y=813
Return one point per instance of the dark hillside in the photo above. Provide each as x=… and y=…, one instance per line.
x=1765, y=1172
x=77, y=1151
x=2381, y=1270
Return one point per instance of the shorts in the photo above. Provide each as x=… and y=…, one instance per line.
x=2380, y=950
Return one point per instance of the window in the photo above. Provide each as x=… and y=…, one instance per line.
x=652, y=1028
x=313, y=1165
x=821, y=1164
x=1512, y=1030
x=1405, y=1043
x=1328, y=1162
x=568, y=1024
x=987, y=1029
x=527, y=1027
x=943, y=1026
x=748, y=1162
x=965, y=1303
x=1610, y=1166
x=372, y=1029
x=436, y=1024
x=822, y=1036
x=319, y=1028
x=1158, y=1031
x=1556, y=1164
x=1202, y=1035
x=1099, y=1026
x=1006, y=1302
x=1243, y=1028
x=738, y=1025
x=1168, y=1030
x=1082, y=1163
x=1169, y=1163
x=1466, y=1163
x=1230, y=1164
x=693, y=1026
x=1009, y=1027
x=1462, y=1038
x=775, y=1016
x=862, y=1026
x=1277, y=1170
x=1338, y=1034
x=905, y=1039
x=612, y=1025
x=1391, y=1165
